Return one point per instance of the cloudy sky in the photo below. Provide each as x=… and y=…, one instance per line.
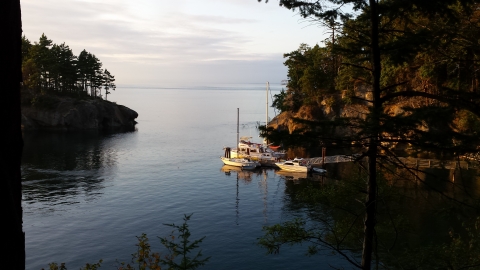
x=155, y=42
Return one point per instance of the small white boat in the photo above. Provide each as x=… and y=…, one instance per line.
x=319, y=170
x=295, y=165
x=240, y=162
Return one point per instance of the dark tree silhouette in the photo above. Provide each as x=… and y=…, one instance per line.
x=371, y=34
x=13, y=237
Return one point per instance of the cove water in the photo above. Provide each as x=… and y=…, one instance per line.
x=87, y=195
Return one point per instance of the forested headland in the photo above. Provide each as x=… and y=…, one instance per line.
x=428, y=85
x=66, y=91
x=48, y=67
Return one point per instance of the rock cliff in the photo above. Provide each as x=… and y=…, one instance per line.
x=73, y=114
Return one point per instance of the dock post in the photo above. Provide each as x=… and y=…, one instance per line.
x=324, y=151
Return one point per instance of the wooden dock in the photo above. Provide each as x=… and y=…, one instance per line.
x=407, y=161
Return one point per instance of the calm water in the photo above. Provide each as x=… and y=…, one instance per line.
x=87, y=195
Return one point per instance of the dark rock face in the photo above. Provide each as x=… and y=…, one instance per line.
x=72, y=114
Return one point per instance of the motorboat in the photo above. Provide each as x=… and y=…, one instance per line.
x=319, y=170
x=242, y=163
x=257, y=151
x=295, y=165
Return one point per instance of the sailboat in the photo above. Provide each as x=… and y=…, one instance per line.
x=242, y=162
x=257, y=151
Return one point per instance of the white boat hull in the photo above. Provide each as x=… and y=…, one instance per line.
x=295, y=165
x=292, y=168
x=240, y=162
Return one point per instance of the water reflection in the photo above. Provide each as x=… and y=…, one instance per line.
x=295, y=176
x=415, y=209
x=66, y=167
x=244, y=175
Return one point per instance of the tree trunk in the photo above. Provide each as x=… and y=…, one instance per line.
x=13, y=237
x=371, y=200
x=371, y=207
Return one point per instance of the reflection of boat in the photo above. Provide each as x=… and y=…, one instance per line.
x=295, y=165
x=245, y=175
x=292, y=175
x=229, y=168
x=240, y=162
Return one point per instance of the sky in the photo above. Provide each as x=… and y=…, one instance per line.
x=171, y=42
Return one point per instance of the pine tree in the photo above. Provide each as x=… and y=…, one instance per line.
x=380, y=43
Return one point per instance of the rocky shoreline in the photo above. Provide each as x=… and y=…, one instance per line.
x=64, y=113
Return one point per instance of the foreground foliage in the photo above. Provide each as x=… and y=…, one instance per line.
x=415, y=229
x=177, y=256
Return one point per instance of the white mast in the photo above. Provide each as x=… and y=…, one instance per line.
x=238, y=123
x=266, y=123
x=266, y=120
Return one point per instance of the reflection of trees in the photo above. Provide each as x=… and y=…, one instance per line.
x=419, y=215
x=298, y=176
x=67, y=151
x=60, y=165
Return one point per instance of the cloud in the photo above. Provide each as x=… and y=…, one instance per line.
x=221, y=71
x=168, y=36
x=109, y=30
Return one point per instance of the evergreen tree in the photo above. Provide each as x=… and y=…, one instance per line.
x=108, y=82
x=386, y=47
x=82, y=69
x=52, y=67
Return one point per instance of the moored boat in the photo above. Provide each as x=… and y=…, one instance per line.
x=319, y=170
x=295, y=165
x=240, y=162
x=266, y=154
x=257, y=151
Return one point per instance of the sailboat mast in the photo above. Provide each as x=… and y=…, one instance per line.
x=266, y=122
x=238, y=124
